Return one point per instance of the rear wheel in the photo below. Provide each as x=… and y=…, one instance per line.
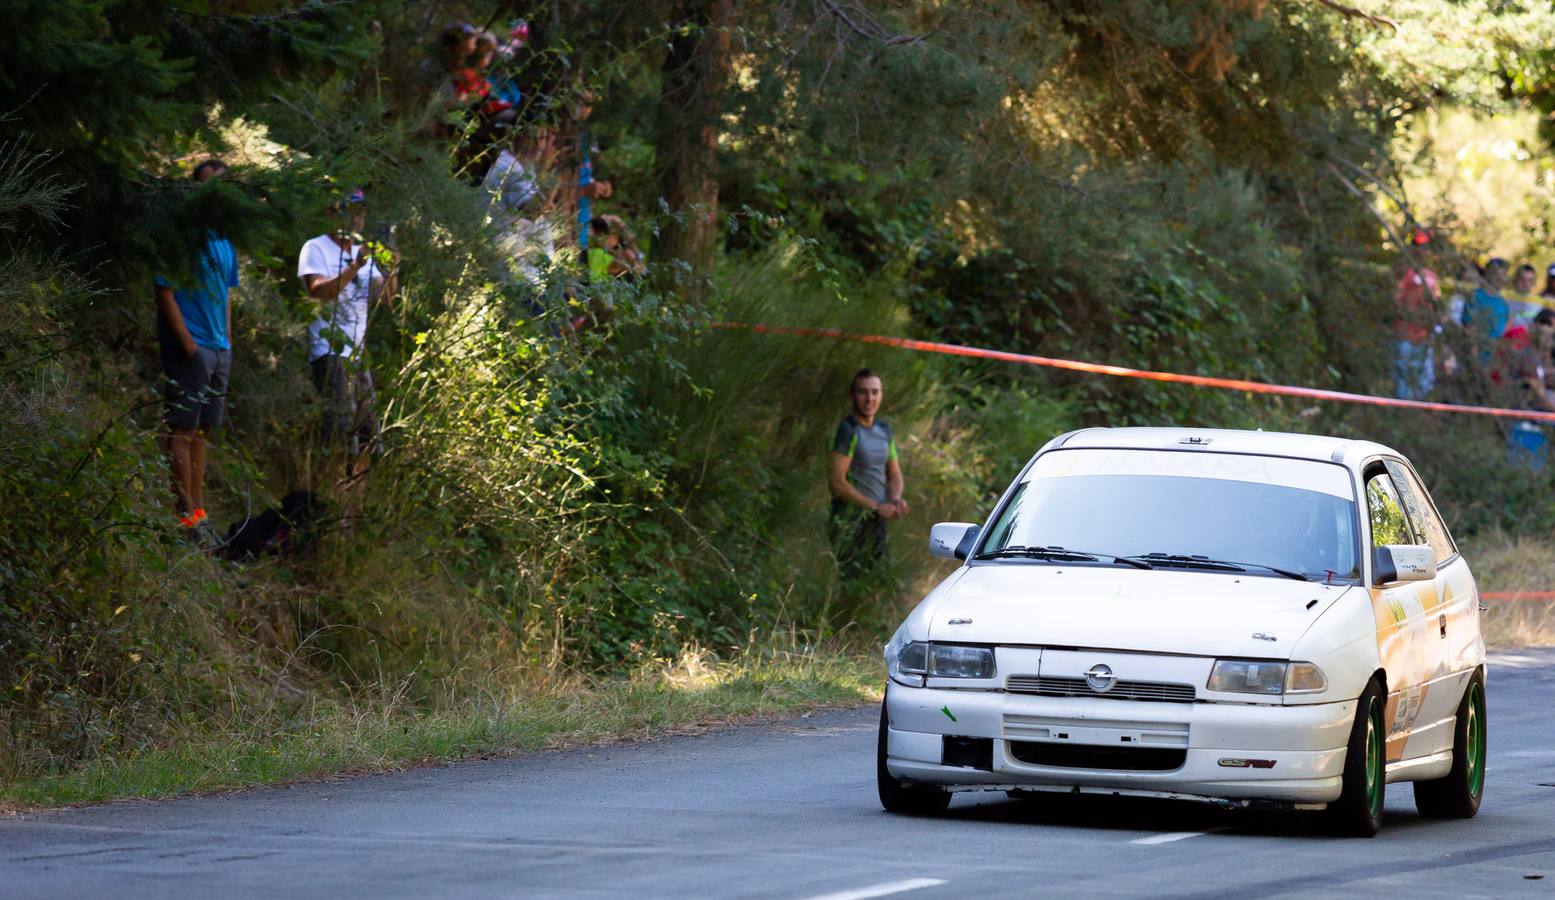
x=894, y=796
x=1456, y=796
x=1358, y=811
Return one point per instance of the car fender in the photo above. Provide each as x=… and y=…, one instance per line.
x=916, y=626
x=1343, y=643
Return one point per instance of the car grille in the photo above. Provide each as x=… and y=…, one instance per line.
x=1076, y=687
x=1136, y=759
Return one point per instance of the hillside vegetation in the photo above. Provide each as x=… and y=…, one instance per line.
x=1212, y=186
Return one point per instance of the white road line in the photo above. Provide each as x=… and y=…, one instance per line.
x=881, y=890
x=1168, y=837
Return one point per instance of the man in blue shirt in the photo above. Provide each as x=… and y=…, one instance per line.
x=194, y=332
x=1486, y=313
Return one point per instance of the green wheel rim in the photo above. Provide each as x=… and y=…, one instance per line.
x=1373, y=761
x=1474, y=753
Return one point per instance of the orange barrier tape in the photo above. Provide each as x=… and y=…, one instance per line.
x=1231, y=384
x=1517, y=595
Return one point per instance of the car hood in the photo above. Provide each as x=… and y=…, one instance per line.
x=1158, y=611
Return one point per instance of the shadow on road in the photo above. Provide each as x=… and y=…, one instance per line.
x=1155, y=815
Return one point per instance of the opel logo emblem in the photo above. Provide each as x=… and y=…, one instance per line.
x=1100, y=678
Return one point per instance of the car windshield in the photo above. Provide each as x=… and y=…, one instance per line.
x=1193, y=509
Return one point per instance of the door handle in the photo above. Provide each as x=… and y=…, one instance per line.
x=1442, y=622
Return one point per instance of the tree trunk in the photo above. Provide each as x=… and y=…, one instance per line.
x=690, y=104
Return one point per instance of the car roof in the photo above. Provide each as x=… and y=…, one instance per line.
x=1225, y=440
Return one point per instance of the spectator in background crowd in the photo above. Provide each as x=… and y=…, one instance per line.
x=457, y=43
x=575, y=142
x=523, y=232
x=865, y=478
x=194, y=335
x=1524, y=303
x=1418, y=295
x=455, y=46
x=613, y=252
x=1485, y=314
x=518, y=38
x=1533, y=375
x=473, y=83
x=503, y=86
x=1467, y=282
x=1548, y=294
x=344, y=278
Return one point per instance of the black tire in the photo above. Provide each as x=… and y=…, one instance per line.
x=1457, y=795
x=897, y=798
x=1358, y=811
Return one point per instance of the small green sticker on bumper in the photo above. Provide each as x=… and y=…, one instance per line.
x=948, y=714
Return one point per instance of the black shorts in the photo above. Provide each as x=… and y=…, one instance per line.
x=196, y=390
x=346, y=389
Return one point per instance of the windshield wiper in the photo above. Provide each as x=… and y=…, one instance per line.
x=1058, y=553
x=1196, y=561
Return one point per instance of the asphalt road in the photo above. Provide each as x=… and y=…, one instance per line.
x=785, y=810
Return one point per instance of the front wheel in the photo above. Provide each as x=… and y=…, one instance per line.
x=1456, y=796
x=895, y=797
x=1358, y=811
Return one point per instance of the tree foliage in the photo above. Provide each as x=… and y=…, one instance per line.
x=1209, y=186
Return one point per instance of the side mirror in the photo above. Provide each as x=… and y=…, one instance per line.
x=1402, y=562
x=953, y=540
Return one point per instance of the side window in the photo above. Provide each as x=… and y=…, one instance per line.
x=1422, y=514
x=999, y=535
x=1388, y=522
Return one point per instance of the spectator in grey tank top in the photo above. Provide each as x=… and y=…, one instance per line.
x=865, y=477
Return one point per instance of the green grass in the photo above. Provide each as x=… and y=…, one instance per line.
x=329, y=740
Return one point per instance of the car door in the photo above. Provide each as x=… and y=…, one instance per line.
x=1399, y=608
x=1453, y=647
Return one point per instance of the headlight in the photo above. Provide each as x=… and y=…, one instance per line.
x=916, y=659
x=1246, y=676
x=950, y=661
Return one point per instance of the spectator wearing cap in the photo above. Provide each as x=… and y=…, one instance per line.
x=194, y=335
x=344, y=277
x=499, y=70
x=1486, y=313
x=518, y=38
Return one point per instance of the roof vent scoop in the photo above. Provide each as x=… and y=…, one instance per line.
x=1195, y=441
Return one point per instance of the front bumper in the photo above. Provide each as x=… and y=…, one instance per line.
x=1306, y=744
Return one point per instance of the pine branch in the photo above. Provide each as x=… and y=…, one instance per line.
x=867, y=28
x=1353, y=13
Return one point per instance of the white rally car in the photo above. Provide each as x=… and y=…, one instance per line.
x=1231, y=616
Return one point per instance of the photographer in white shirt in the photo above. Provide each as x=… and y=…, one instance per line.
x=345, y=277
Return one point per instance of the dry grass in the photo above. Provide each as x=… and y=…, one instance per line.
x=1502, y=563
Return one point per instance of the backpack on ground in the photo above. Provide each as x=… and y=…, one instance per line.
x=288, y=529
